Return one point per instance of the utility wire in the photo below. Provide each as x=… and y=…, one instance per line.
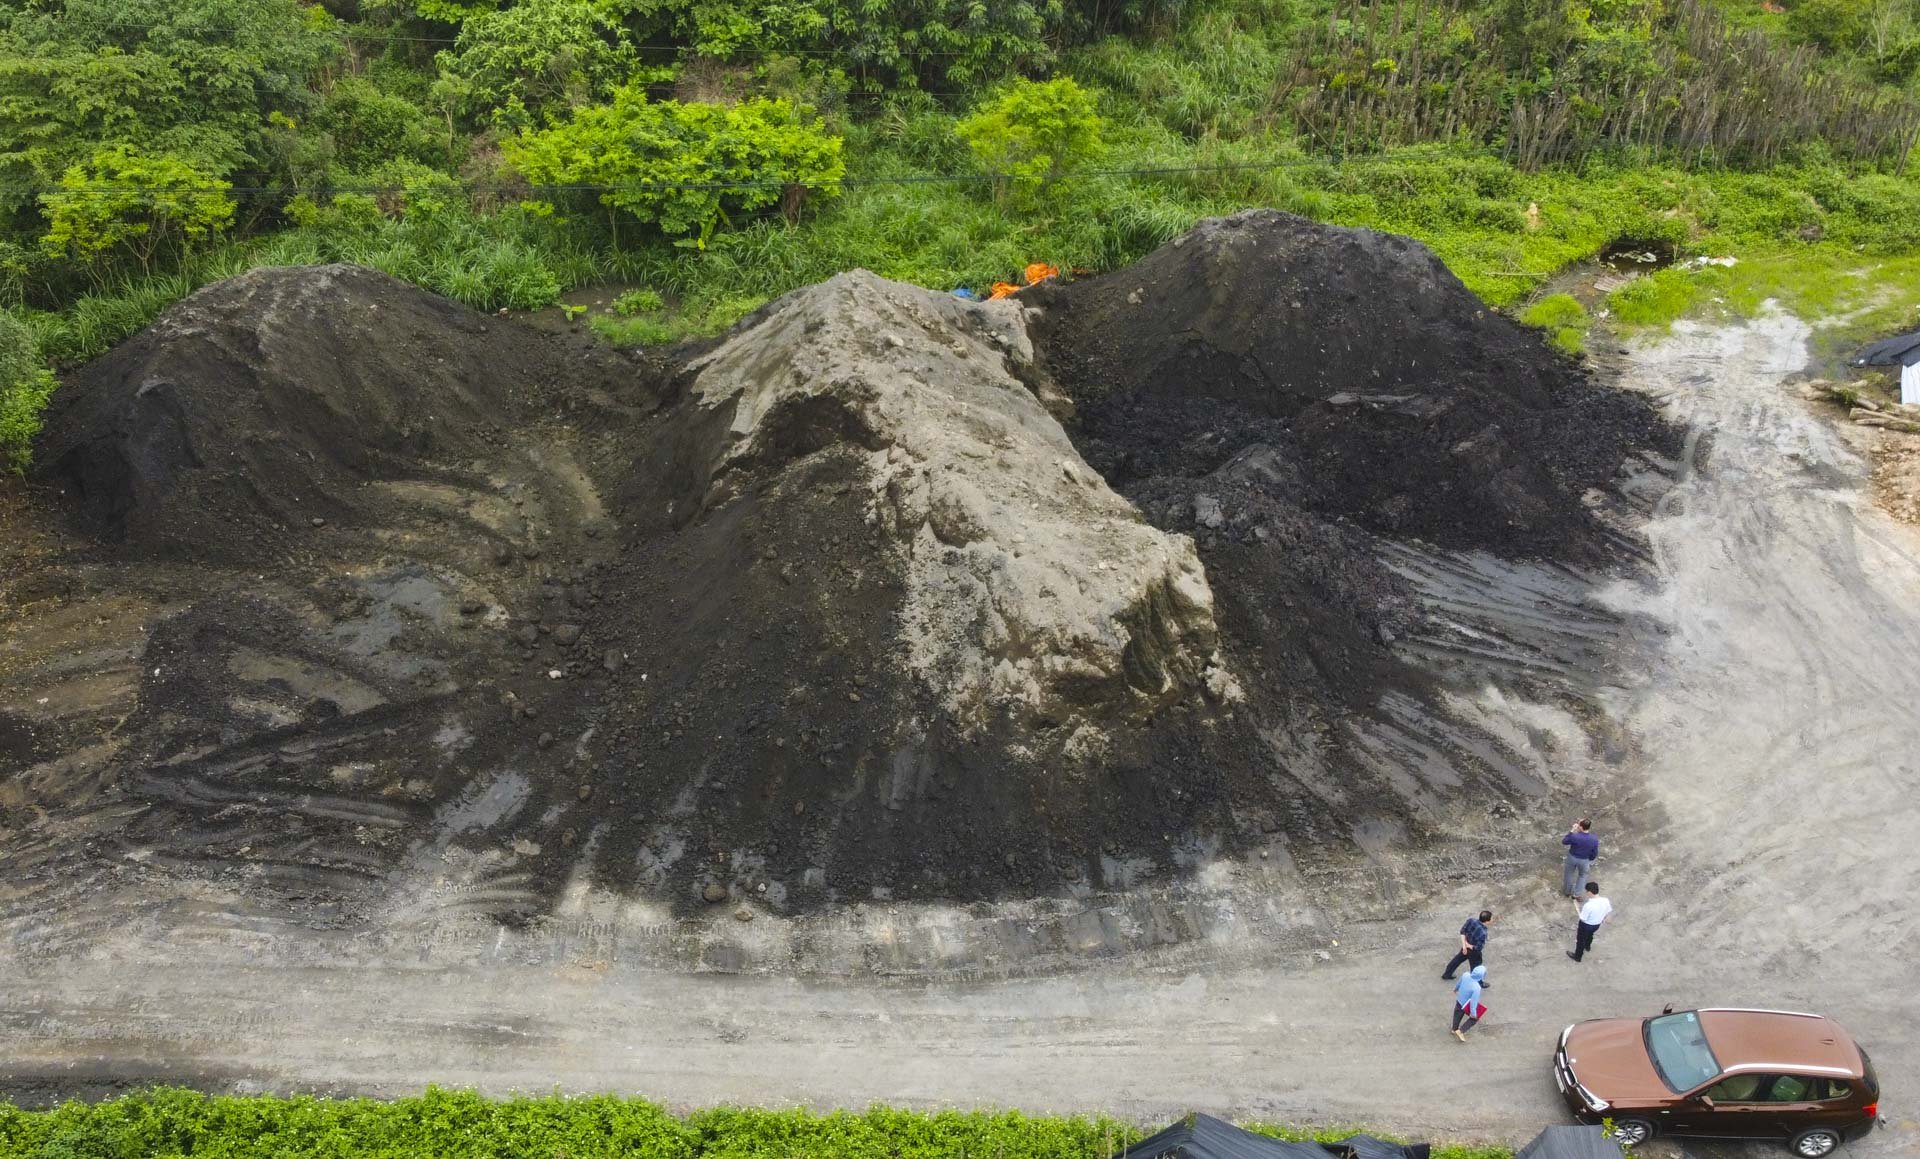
x=696, y=186
x=356, y=32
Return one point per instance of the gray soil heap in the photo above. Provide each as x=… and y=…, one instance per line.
x=877, y=597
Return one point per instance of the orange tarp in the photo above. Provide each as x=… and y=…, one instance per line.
x=1035, y=273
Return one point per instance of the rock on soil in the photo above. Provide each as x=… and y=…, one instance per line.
x=834, y=609
x=1029, y=586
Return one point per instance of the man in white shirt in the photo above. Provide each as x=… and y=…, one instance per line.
x=1594, y=912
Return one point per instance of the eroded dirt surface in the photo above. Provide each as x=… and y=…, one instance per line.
x=1755, y=804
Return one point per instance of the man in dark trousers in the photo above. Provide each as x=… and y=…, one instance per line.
x=1594, y=912
x=1582, y=848
x=1473, y=942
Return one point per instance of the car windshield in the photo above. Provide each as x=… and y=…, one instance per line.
x=1677, y=1044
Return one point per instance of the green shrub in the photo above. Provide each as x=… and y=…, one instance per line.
x=461, y=1125
x=1034, y=133
x=125, y=200
x=25, y=387
x=538, y=55
x=685, y=167
x=368, y=127
x=1836, y=25
x=641, y=301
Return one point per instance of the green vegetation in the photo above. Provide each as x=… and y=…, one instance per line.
x=1033, y=134
x=504, y=151
x=682, y=167
x=25, y=386
x=1563, y=318
x=460, y=1125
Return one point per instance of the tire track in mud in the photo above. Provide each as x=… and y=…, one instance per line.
x=1778, y=751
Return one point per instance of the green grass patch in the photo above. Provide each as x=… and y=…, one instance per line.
x=461, y=1125
x=1658, y=299
x=1851, y=299
x=1563, y=318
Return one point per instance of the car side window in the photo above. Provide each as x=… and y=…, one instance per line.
x=1836, y=1090
x=1739, y=1088
x=1790, y=1088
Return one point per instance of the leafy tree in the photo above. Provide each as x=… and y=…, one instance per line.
x=25, y=386
x=1837, y=25
x=139, y=203
x=723, y=28
x=950, y=43
x=540, y=55
x=193, y=77
x=1034, y=133
x=684, y=167
x=367, y=126
x=1536, y=35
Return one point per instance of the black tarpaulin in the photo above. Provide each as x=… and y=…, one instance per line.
x=1205, y=1137
x=1368, y=1147
x=1571, y=1143
x=1890, y=351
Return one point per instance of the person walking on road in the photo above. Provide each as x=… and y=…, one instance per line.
x=1466, y=1001
x=1594, y=912
x=1473, y=943
x=1582, y=848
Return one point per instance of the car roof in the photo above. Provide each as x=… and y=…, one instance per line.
x=1780, y=1040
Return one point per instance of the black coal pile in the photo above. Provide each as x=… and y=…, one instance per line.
x=1380, y=388
x=264, y=405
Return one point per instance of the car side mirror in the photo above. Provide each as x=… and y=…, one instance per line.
x=1667, y=1009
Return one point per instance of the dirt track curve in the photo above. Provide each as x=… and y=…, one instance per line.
x=1761, y=854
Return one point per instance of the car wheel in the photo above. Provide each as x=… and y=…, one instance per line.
x=1815, y=1143
x=1633, y=1132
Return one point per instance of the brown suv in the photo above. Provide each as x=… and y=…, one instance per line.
x=1727, y=1074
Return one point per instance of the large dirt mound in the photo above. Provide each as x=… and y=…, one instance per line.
x=1383, y=389
x=268, y=401
x=1028, y=584
x=456, y=618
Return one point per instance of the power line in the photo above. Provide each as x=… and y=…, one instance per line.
x=359, y=32
x=683, y=51
x=709, y=186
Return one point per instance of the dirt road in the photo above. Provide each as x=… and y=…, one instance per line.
x=1756, y=852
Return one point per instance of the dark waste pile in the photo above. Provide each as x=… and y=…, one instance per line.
x=883, y=595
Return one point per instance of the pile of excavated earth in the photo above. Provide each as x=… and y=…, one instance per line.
x=884, y=594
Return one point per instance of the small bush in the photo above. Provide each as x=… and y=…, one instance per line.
x=641, y=301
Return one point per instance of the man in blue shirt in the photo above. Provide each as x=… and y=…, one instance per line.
x=1582, y=848
x=1473, y=940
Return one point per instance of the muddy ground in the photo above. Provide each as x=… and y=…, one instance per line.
x=1720, y=703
